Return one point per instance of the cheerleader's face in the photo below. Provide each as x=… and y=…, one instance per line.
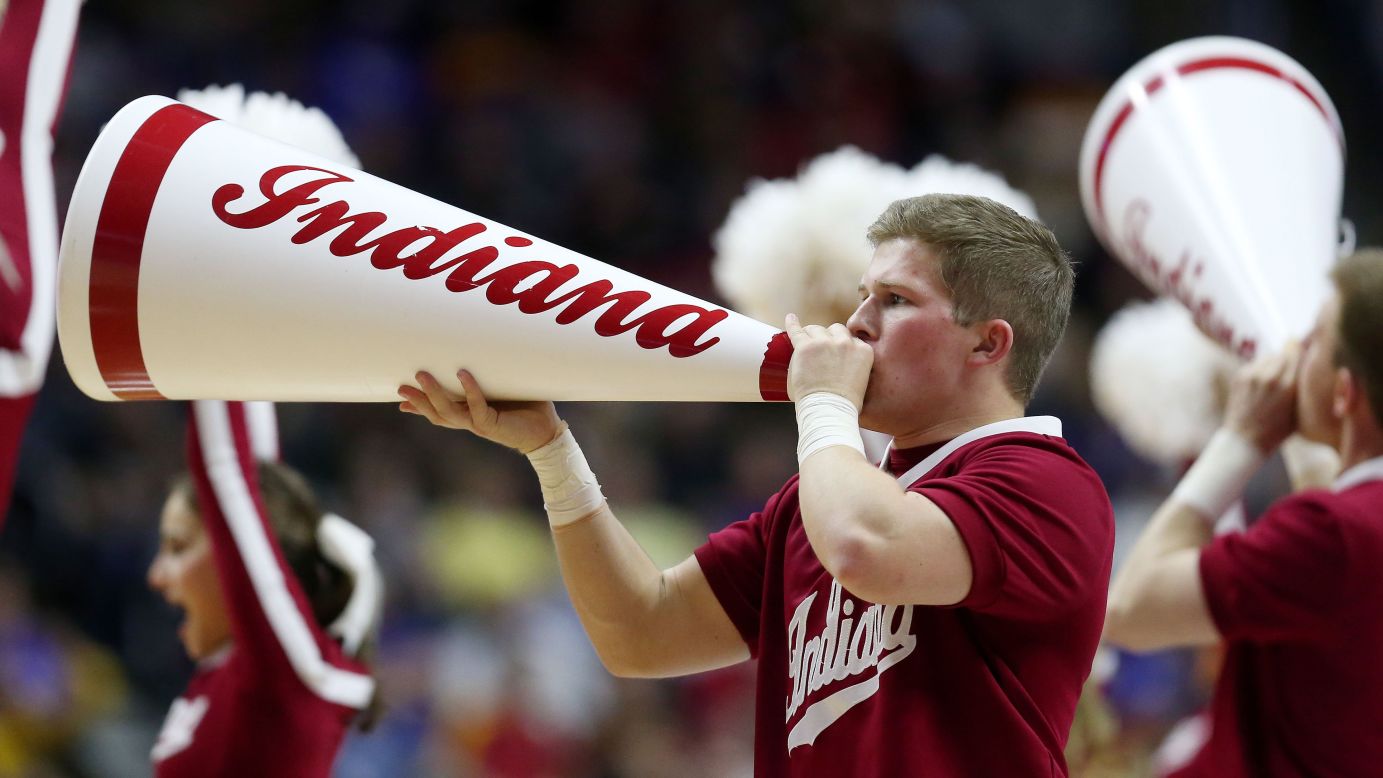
x=184, y=572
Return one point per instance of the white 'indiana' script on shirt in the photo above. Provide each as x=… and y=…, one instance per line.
x=849, y=645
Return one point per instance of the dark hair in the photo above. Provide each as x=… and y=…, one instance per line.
x=1359, y=279
x=997, y=264
x=294, y=516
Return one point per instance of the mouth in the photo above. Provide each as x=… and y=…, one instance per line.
x=185, y=623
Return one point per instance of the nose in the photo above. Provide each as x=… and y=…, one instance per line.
x=863, y=323
x=157, y=578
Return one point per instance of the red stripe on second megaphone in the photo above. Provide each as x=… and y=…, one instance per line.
x=1156, y=83
x=119, y=245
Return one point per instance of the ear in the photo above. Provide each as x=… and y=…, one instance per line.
x=1345, y=394
x=995, y=341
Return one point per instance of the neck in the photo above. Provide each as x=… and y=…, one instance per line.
x=1359, y=443
x=215, y=656
x=955, y=425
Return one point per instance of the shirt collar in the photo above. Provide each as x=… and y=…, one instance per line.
x=1368, y=470
x=1041, y=425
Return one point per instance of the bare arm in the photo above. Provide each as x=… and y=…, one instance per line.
x=1157, y=600
x=881, y=542
x=642, y=621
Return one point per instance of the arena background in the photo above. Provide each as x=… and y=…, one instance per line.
x=623, y=130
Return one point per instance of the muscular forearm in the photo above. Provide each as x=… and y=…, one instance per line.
x=616, y=590
x=612, y=583
x=1157, y=599
x=1175, y=527
x=642, y=621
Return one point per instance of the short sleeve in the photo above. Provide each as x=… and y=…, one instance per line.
x=1038, y=526
x=733, y=561
x=1283, y=578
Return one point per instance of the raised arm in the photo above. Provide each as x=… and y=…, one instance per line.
x=882, y=543
x=1157, y=599
x=271, y=619
x=36, y=41
x=643, y=621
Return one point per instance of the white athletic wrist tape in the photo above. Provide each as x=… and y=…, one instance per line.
x=826, y=419
x=570, y=491
x=1219, y=474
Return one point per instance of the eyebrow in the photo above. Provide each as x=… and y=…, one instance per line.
x=885, y=285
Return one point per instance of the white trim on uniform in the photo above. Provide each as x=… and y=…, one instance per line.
x=21, y=372
x=264, y=430
x=228, y=480
x=1368, y=470
x=1041, y=425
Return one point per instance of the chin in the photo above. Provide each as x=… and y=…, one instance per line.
x=867, y=420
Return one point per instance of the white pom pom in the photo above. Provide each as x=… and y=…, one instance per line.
x=762, y=252
x=843, y=193
x=799, y=245
x=1159, y=381
x=274, y=116
x=936, y=174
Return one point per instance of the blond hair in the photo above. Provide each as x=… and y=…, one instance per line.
x=1359, y=279
x=997, y=264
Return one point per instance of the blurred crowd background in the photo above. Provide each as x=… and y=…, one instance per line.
x=623, y=130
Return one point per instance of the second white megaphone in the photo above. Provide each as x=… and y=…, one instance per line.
x=1213, y=169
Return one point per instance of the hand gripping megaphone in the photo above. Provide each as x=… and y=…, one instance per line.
x=1213, y=169
x=202, y=261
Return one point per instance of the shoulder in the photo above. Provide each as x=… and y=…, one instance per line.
x=1324, y=513
x=1360, y=502
x=1028, y=457
x=1309, y=508
x=1308, y=524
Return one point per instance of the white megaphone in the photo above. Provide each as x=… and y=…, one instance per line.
x=202, y=261
x=1213, y=170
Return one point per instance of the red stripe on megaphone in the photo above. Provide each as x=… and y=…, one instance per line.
x=119, y=243
x=773, y=373
x=1155, y=85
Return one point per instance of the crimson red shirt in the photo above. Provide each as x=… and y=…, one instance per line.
x=984, y=688
x=1299, y=598
x=279, y=700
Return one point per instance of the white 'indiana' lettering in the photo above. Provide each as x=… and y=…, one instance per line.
x=848, y=646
